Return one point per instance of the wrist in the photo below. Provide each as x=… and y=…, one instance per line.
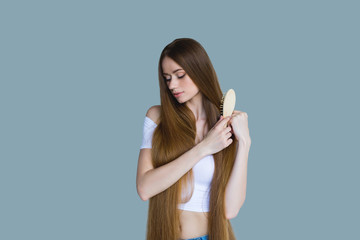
x=244, y=143
x=201, y=149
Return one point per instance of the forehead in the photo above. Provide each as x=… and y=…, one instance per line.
x=169, y=65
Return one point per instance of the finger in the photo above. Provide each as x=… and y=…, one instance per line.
x=228, y=129
x=226, y=121
x=223, y=121
x=229, y=141
x=228, y=135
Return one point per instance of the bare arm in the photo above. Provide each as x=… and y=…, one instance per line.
x=235, y=192
x=236, y=187
x=156, y=180
x=150, y=181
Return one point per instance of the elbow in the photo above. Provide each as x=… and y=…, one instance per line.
x=141, y=193
x=144, y=198
x=233, y=214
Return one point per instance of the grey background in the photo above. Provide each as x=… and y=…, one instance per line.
x=77, y=78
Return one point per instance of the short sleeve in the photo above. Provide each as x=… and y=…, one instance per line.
x=148, y=130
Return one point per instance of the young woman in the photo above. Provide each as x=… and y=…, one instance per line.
x=193, y=163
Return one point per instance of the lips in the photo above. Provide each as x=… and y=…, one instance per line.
x=178, y=94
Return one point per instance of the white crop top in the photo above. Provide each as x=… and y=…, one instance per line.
x=203, y=173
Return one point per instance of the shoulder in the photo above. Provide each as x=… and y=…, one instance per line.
x=154, y=113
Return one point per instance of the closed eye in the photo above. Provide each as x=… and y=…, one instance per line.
x=168, y=79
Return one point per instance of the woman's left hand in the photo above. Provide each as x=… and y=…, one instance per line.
x=239, y=125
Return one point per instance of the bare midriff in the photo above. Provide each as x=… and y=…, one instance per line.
x=193, y=224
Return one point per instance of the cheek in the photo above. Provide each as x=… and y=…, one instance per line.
x=189, y=84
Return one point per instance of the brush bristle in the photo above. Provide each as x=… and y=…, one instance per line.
x=222, y=105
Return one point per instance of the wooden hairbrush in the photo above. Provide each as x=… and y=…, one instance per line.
x=227, y=104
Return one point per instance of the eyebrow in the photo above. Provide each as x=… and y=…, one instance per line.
x=174, y=71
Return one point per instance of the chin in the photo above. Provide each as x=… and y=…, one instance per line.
x=180, y=101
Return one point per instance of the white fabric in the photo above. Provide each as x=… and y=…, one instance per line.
x=149, y=127
x=203, y=173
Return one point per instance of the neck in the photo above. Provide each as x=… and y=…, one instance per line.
x=196, y=106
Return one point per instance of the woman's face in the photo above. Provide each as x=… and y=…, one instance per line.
x=177, y=80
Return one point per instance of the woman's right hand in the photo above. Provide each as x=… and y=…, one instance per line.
x=218, y=137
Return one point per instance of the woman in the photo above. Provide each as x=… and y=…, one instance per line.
x=193, y=163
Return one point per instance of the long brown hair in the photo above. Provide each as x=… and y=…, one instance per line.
x=175, y=134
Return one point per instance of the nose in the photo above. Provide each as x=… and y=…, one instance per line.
x=173, y=83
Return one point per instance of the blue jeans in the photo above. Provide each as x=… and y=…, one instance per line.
x=205, y=237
